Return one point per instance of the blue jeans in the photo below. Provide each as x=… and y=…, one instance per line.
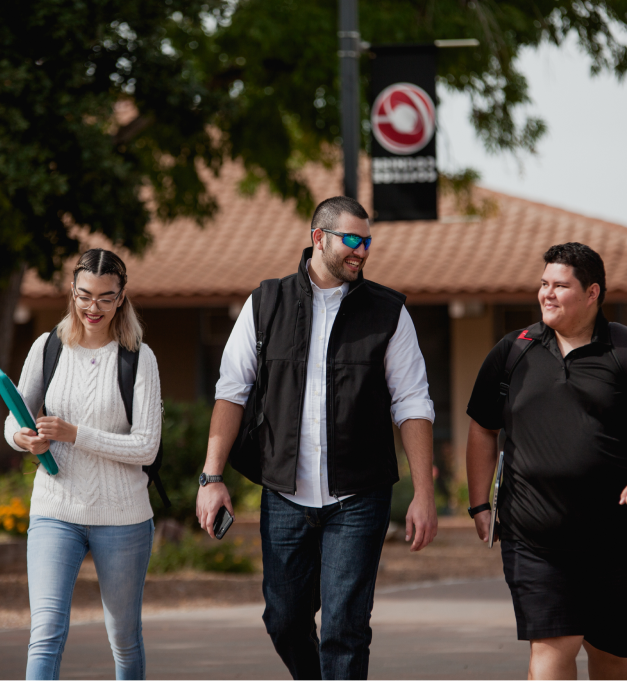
x=322, y=557
x=56, y=550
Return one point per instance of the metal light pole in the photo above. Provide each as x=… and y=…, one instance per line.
x=349, y=51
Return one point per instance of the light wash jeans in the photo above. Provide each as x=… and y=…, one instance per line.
x=56, y=550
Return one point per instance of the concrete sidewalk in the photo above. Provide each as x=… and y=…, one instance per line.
x=443, y=630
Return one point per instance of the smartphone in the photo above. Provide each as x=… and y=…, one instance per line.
x=221, y=524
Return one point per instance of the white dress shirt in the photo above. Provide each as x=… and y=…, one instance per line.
x=405, y=374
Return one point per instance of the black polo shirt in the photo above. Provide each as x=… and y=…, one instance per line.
x=566, y=448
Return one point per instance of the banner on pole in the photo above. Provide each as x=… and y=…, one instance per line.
x=402, y=117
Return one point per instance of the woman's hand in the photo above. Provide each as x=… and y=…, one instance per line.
x=29, y=440
x=623, y=497
x=54, y=428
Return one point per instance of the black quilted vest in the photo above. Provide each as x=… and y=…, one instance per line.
x=360, y=440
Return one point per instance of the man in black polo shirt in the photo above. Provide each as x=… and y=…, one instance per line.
x=562, y=505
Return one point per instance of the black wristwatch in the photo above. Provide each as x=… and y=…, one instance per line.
x=472, y=512
x=204, y=479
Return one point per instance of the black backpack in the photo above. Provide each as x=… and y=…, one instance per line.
x=127, y=371
x=618, y=338
x=245, y=455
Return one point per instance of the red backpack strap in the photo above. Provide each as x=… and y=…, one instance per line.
x=516, y=352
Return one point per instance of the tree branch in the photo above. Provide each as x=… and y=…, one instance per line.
x=127, y=132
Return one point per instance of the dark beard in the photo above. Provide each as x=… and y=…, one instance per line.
x=335, y=264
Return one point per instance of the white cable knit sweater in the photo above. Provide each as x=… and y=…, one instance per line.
x=100, y=479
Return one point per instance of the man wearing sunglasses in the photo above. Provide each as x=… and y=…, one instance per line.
x=341, y=356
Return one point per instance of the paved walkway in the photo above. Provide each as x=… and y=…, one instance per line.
x=445, y=630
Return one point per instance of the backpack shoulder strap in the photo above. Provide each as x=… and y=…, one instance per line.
x=128, y=361
x=267, y=308
x=127, y=372
x=516, y=352
x=618, y=338
x=52, y=351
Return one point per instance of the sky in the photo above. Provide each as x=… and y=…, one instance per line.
x=581, y=164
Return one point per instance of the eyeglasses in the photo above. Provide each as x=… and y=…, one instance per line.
x=102, y=304
x=351, y=240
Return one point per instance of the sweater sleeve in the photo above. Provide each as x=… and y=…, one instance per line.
x=31, y=387
x=140, y=446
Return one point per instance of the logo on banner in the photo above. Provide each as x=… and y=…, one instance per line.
x=403, y=118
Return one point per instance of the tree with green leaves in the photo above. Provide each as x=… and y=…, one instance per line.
x=94, y=109
x=104, y=103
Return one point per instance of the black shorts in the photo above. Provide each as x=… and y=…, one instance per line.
x=568, y=594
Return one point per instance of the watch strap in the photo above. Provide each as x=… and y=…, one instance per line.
x=206, y=479
x=472, y=512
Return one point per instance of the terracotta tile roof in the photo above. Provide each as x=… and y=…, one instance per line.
x=261, y=237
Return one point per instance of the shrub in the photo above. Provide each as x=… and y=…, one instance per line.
x=193, y=553
x=185, y=434
x=403, y=493
x=14, y=517
x=15, y=493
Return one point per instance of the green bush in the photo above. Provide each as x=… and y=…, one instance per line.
x=185, y=435
x=15, y=493
x=18, y=483
x=192, y=553
x=403, y=493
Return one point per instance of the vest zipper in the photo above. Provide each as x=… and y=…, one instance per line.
x=330, y=411
x=302, y=395
x=296, y=325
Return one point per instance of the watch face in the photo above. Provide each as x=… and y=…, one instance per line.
x=203, y=479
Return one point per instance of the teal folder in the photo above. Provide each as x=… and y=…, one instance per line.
x=22, y=414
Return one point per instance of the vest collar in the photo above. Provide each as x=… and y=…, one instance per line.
x=305, y=282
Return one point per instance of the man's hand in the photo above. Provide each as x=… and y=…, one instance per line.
x=422, y=516
x=211, y=498
x=225, y=422
x=29, y=440
x=54, y=428
x=482, y=523
x=623, y=497
x=481, y=456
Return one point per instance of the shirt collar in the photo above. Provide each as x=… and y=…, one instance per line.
x=327, y=292
x=601, y=333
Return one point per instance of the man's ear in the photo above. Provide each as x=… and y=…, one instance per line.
x=593, y=293
x=317, y=237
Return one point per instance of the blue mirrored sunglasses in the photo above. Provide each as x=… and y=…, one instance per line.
x=351, y=240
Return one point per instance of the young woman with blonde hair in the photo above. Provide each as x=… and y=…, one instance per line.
x=98, y=501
